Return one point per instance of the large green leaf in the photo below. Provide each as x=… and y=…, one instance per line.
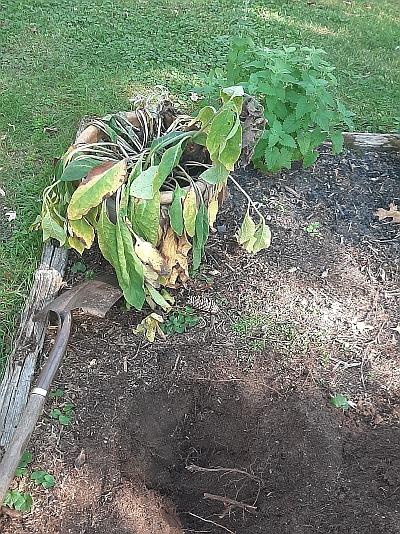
x=102, y=181
x=107, y=239
x=131, y=268
x=176, y=211
x=144, y=216
x=79, y=168
x=143, y=185
x=231, y=152
x=220, y=127
x=169, y=161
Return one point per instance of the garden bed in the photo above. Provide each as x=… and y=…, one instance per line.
x=239, y=406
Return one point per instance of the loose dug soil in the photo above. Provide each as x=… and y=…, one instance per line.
x=238, y=407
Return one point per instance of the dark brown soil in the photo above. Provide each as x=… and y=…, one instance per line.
x=239, y=406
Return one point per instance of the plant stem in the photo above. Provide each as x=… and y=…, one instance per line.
x=247, y=197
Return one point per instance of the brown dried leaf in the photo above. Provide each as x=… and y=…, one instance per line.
x=392, y=213
x=169, y=248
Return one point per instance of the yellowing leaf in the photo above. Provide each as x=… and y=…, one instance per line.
x=212, y=212
x=392, y=213
x=150, y=326
x=101, y=182
x=247, y=230
x=76, y=244
x=262, y=237
x=150, y=256
x=190, y=212
x=83, y=230
x=169, y=248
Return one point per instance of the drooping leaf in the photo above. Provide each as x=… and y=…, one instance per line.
x=220, y=127
x=169, y=161
x=190, y=211
x=169, y=248
x=216, y=174
x=201, y=235
x=247, y=230
x=144, y=216
x=130, y=267
x=83, y=231
x=212, y=211
x=77, y=169
x=149, y=255
x=76, y=244
x=158, y=298
x=262, y=237
x=101, y=182
x=176, y=211
x=52, y=229
x=231, y=152
x=150, y=326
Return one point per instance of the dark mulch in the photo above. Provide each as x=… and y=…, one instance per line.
x=239, y=406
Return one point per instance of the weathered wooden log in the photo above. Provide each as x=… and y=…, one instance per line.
x=16, y=383
x=372, y=141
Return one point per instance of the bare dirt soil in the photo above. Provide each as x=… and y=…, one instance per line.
x=229, y=427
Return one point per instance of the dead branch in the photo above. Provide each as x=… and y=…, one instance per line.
x=212, y=522
x=197, y=469
x=231, y=502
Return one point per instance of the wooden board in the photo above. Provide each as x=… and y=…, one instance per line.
x=16, y=383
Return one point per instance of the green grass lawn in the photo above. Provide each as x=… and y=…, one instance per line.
x=61, y=60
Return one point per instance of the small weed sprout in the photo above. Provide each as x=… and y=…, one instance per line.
x=63, y=414
x=313, y=229
x=44, y=479
x=340, y=401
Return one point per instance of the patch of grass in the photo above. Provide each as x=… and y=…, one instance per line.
x=65, y=60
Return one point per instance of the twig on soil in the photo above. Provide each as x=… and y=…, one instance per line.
x=231, y=503
x=197, y=469
x=212, y=522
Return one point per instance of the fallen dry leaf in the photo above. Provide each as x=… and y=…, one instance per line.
x=392, y=213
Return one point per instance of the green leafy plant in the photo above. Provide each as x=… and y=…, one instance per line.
x=313, y=229
x=63, y=414
x=297, y=89
x=112, y=190
x=18, y=501
x=57, y=393
x=180, y=321
x=42, y=478
x=22, y=468
x=78, y=267
x=340, y=401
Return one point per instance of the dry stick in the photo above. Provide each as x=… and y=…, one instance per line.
x=231, y=502
x=196, y=468
x=212, y=522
